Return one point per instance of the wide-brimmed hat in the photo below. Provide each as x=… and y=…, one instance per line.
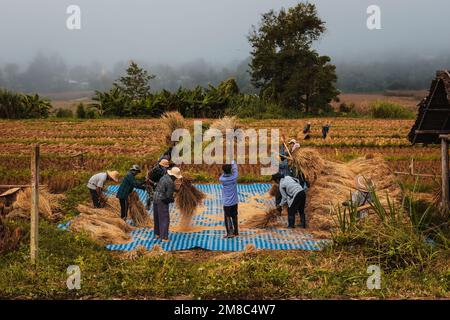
x=292, y=141
x=114, y=175
x=164, y=163
x=176, y=172
x=135, y=167
x=363, y=184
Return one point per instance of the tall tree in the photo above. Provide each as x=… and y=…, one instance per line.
x=136, y=83
x=285, y=67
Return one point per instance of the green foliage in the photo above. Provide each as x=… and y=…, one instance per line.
x=63, y=113
x=81, y=111
x=389, y=110
x=22, y=106
x=135, y=84
x=284, y=65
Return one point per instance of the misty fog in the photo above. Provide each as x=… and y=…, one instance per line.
x=189, y=42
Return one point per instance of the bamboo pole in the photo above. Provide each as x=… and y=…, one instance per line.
x=445, y=175
x=34, y=229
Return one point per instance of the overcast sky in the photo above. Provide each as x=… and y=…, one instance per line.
x=173, y=31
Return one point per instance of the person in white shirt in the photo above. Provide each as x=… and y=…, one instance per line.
x=97, y=182
x=294, y=195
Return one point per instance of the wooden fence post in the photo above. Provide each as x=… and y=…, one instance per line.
x=34, y=229
x=445, y=175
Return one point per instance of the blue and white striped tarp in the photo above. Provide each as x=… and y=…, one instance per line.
x=213, y=229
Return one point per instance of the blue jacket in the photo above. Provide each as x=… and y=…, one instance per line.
x=229, y=183
x=127, y=186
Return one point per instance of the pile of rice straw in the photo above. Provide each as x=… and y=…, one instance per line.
x=187, y=199
x=331, y=183
x=49, y=207
x=9, y=239
x=172, y=121
x=226, y=123
x=103, y=225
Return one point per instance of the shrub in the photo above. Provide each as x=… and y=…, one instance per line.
x=81, y=111
x=22, y=106
x=389, y=110
x=64, y=113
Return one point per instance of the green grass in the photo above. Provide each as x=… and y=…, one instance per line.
x=332, y=273
x=389, y=110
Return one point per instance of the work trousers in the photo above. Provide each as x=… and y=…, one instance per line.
x=161, y=219
x=95, y=198
x=123, y=208
x=297, y=206
x=231, y=219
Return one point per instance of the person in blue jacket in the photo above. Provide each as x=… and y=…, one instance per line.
x=230, y=198
x=126, y=188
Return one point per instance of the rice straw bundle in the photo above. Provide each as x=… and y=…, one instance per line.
x=309, y=162
x=225, y=123
x=268, y=219
x=102, y=229
x=137, y=211
x=172, y=121
x=103, y=225
x=49, y=207
x=187, y=199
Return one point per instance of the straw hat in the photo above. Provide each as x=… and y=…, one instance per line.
x=113, y=175
x=292, y=141
x=363, y=184
x=176, y=172
x=164, y=163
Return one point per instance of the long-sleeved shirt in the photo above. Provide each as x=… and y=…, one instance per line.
x=289, y=188
x=127, y=186
x=165, y=189
x=229, y=186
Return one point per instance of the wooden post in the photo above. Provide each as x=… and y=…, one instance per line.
x=445, y=175
x=34, y=229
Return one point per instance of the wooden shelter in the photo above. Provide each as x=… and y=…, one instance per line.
x=432, y=126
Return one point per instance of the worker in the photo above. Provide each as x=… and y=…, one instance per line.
x=96, y=184
x=325, y=130
x=307, y=131
x=153, y=177
x=126, y=188
x=230, y=198
x=163, y=197
x=293, y=145
x=362, y=196
x=294, y=195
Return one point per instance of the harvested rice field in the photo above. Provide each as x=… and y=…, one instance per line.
x=122, y=260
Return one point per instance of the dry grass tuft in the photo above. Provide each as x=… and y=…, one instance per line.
x=226, y=123
x=172, y=121
x=309, y=162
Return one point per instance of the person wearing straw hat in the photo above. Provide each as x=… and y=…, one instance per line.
x=293, y=145
x=126, y=188
x=163, y=197
x=96, y=184
x=152, y=179
x=362, y=196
